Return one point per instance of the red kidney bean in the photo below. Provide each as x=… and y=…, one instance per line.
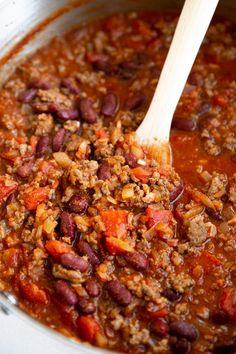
x=104, y=172
x=85, y=249
x=176, y=193
x=67, y=114
x=184, y=329
x=220, y=317
x=109, y=106
x=66, y=293
x=159, y=327
x=86, y=110
x=130, y=65
x=233, y=158
x=228, y=347
x=67, y=225
x=135, y=101
x=85, y=306
x=138, y=349
x=196, y=79
x=92, y=288
x=171, y=294
x=126, y=74
x=179, y=345
x=105, y=66
x=40, y=84
x=185, y=124
x=58, y=140
x=25, y=170
x=43, y=145
x=131, y=160
x=68, y=83
x=78, y=203
x=28, y=95
x=72, y=261
x=216, y=215
x=137, y=260
x=119, y=292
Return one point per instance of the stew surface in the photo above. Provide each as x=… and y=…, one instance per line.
x=97, y=240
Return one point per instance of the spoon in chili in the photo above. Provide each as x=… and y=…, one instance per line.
x=153, y=134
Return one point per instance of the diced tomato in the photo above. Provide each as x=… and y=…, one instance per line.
x=142, y=28
x=115, y=23
x=157, y=314
x=11, y=257
x=116, y=223
x=142, y=173
x=33, y=142
x=116, y=246
x=33, y=293
x=220, y=100
x=10, y=155
x=207, y=260
x=35, y=197
x=101, y=134
x=228, y=302
x=155, y=216
x=56, y=248
x=88, y=328
x=92, y=57
x=7, y=187
x=46, y=166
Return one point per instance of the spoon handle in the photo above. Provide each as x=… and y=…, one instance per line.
x=191, y=28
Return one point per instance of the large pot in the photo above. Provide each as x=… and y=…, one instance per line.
x=45, y=19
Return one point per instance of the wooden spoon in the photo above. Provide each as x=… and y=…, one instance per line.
x=193, y=23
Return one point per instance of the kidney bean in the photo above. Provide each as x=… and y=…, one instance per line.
x=171, y=294
x=137, y=260
x=126, y=74
x=119, y=292
x=219, y=317
x=179, y=345
x=86, y=110
x=66, y=293
x=43, y=145
x=176, y=193
x=78, y=203
x=92, y=288
x=68, y=83
x=214, y=214
x=185, y=124
x=228, y=347
x=58, y=140
x=105, y=66
x=85, y=306
x=196, y=79
x=233, y=158
x=135, y=102
x=72, y=261
x=40, y=84
x=131, y=159
x=129, y=65
x=104, y=172
x=67, y=114
x=25, y=170
x=159, y=327
x=67, y=225
x=138, y=349
x=85, y=249
x=184, y=329
x=28, y=95
x=109, y=105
